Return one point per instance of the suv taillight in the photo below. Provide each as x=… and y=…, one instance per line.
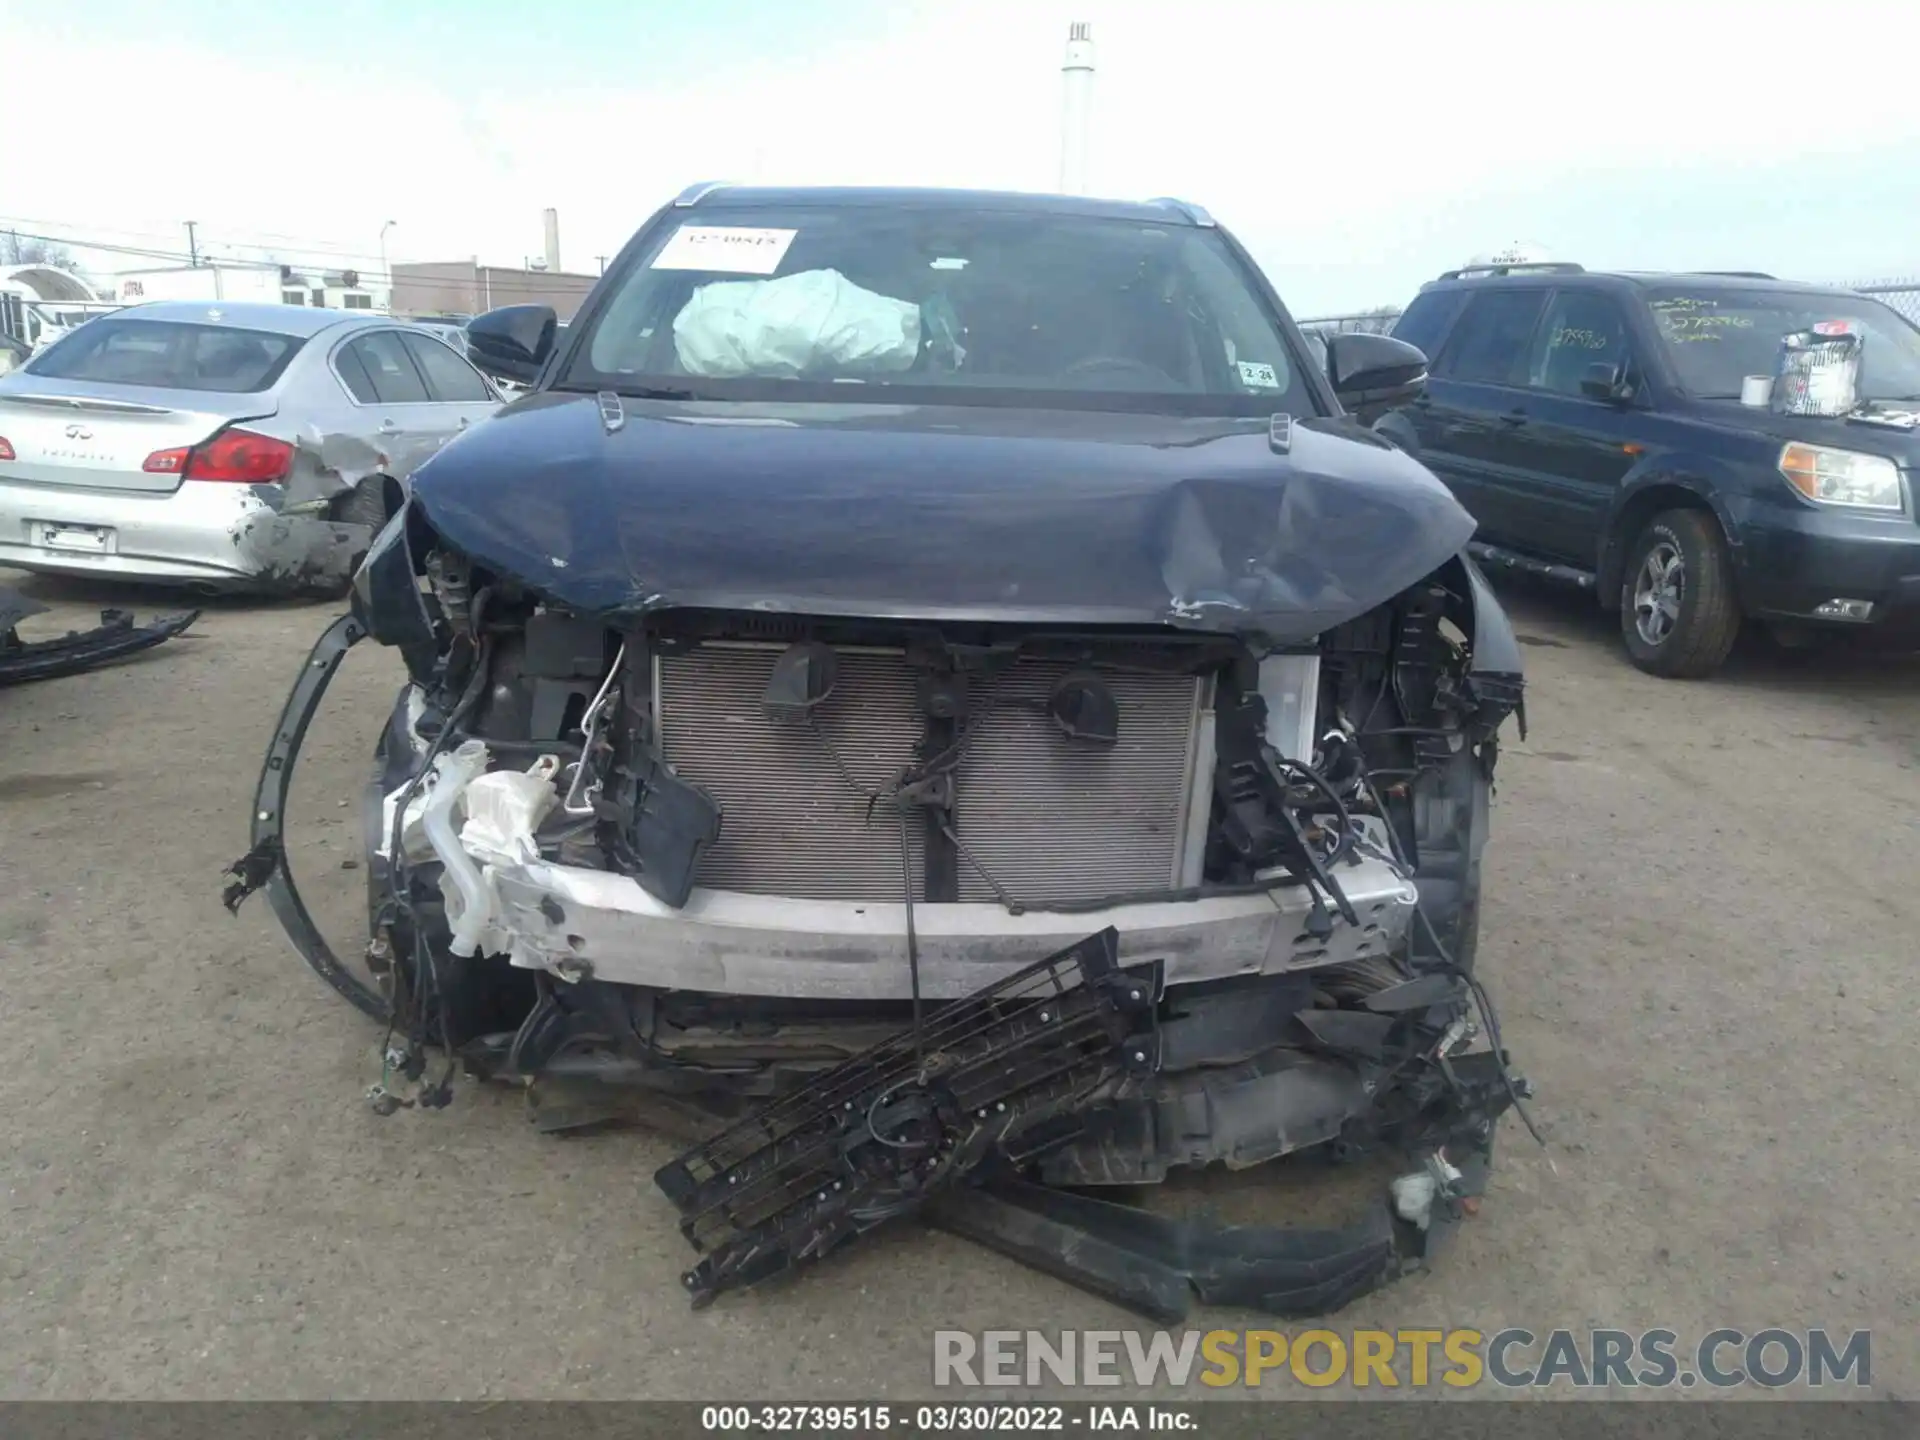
x=6, y=450
x=236, y=455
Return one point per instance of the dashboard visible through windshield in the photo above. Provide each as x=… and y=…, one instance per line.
x=942, y=306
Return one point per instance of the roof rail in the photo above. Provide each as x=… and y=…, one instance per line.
x=1516, y=267
x=695, y=193
x=1186, y=207
x=1740, y=274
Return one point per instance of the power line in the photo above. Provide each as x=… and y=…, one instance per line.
x=263, y=240
x=500, y=280
x=496, y=285
x=79, y=244
x=121, y=233
x=244, y=239
x=488, y=286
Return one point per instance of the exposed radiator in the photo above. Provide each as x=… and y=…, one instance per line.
x=1050, y=820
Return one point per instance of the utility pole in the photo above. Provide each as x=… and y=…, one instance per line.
x=1076, y=100
x=386, y=270
x=603, y=263
x=193, y=249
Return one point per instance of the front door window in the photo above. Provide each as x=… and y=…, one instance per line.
x=1582, y=330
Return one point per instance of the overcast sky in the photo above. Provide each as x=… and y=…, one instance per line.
x=1356, y=148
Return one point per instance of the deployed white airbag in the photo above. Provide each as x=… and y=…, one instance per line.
x=815, y=321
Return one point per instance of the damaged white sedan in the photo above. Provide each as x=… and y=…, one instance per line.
x=222, y=447
x=998, y=729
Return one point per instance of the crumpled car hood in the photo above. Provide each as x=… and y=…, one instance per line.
x=959, y=513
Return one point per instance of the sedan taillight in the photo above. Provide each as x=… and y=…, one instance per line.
x=237, y=455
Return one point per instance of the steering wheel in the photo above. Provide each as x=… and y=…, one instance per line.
x=1117, y=365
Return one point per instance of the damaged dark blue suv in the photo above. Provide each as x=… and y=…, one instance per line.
x=931, y=692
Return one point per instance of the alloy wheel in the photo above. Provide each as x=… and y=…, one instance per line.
x=1657, y=592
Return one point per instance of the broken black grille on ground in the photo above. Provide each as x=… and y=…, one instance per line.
x=943, y=1122
x=994, y=1076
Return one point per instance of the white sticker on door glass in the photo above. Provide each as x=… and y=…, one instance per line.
x=1260, y=377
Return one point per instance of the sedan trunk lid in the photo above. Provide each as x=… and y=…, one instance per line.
x=77, y=436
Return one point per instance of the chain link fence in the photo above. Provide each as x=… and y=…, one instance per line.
x=1370, y=322
x=1901, y=292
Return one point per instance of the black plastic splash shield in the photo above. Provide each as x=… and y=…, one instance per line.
x=872, y=1139
x=943, y=513
x=1159, y=1265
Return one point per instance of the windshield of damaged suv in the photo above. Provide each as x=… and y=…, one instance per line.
x=943, y=306
x=1716, y=337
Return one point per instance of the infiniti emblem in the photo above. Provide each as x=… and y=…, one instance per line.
x=79, y=432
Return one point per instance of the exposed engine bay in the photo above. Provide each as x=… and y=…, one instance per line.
x=882, y=912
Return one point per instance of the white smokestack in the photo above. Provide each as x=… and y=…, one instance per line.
x=552, y=220
x=1076, y=104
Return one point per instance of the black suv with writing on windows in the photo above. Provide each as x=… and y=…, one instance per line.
x=1593, y=426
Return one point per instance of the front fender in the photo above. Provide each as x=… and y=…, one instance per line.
x=1397, y=430
x=387, y=601
x=1495, y=649
x=1704, y=477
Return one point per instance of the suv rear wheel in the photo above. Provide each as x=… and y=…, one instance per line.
x=1678, y=614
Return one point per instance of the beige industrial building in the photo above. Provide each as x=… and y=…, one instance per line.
x=466, y=287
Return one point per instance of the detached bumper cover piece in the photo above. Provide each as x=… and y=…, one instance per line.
x=115, y=638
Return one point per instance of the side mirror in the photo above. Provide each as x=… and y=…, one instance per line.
x=1606, y=382
x=512, y=342
x=1372, y=372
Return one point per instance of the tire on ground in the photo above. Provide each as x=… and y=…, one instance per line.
x=1709, y=618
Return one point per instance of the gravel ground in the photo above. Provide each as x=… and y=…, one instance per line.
x=1699, y=924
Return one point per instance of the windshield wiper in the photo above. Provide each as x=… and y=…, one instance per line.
x=660, y=392
x=638, y=392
